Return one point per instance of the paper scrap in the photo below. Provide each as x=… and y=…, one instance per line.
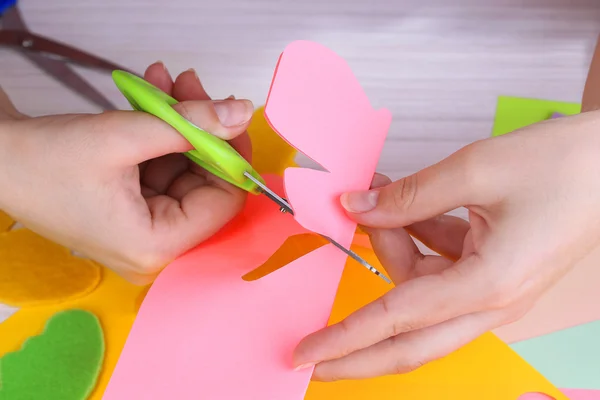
x=569, y=358
x=62, y=363
x=35, y=271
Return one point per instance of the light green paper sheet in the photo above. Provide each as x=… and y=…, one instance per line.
x=513, y=113
x=569, y=358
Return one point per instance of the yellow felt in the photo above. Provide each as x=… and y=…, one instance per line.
x=115, y=302
x=5, y=221
x=270, y=153
x=485, y=369
x=34, y=271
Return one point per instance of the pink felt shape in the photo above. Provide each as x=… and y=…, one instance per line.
x=572, y=394
x=204, y=333
x=317, y=105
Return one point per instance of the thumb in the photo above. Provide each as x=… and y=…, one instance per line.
x=435, y=190
x=146, y=137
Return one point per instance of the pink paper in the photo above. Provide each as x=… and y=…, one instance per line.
x=317, y=104
x=205, y=333
x=572, y=394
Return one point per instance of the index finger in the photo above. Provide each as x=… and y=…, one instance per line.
x=416, y=304
x=462, y=179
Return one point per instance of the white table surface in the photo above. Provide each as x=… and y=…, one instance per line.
x=437, y=65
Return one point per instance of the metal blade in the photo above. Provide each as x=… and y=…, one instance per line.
x=284, y=206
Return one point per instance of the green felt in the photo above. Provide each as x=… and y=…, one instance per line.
x=569, y=358
x=62, y=363
x=513, y=113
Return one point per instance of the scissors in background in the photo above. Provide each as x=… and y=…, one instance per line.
x=52, y=56
x=211, y=153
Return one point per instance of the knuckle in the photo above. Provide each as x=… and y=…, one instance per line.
x=408, y=364
x=397, y=325
x=404, y=192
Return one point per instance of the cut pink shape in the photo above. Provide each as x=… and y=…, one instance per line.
x=317, y=104
x=204, y=333
x=573, y=394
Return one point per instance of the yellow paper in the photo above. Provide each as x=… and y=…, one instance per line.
x=34, y=271
x=270, y=153
x=5, y=221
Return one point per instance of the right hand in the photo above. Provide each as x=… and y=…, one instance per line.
x=114, y=186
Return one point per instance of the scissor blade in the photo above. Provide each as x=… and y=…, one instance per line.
x=286, y=207
x=358, y=258
x=28, y=41
x=64, y=74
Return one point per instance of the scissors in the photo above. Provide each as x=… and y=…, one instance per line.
x=211, y=153
x=52, y=56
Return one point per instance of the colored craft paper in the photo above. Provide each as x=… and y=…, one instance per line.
x=270, y=153
x=62, y=363
x=114, y=302
x=218, y=336
x=557, y=115
x=574, y=299
x=245, y=332
x=5, y=221
x=316, y=103
x=293, y=248
x=34, y=271
x=513, y=113
x=568, y=358
x=486, y=369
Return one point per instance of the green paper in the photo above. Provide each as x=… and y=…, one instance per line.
x=62, y=363
x=513, y=113
x=569, y=358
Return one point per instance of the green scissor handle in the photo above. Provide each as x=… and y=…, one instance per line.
x=211, y=153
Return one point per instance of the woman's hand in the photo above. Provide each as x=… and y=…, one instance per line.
x=113, y=186
x=534, y=210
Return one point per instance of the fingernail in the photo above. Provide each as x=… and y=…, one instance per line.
x=196, y=77
x=233, y=112
x=231, y=97
x=304, y=366
x=163, y=66
x=360, y=202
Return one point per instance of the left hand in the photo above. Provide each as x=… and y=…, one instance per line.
x=532, y=197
